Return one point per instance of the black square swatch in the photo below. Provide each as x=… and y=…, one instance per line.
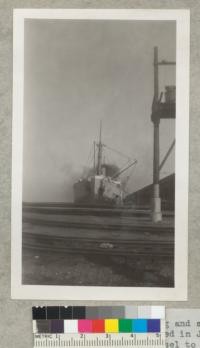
x=78, y=312
x=53, y=312
x=38, y=313
x=66, y=312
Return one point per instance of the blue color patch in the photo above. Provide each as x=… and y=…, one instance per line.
x=139, y=325
x=153, y=325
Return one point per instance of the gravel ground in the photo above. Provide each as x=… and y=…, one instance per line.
x=47, y=268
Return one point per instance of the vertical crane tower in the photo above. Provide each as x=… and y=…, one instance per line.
x=160, y=110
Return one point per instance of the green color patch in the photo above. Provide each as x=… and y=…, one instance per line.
x=125, y=325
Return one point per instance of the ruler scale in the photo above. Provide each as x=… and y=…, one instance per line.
x=99, y=340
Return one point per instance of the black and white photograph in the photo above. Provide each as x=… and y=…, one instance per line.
x=100, y=154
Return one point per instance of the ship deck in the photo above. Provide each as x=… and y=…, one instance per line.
x=65, y=244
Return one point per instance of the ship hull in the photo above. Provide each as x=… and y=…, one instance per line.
x=98, y=189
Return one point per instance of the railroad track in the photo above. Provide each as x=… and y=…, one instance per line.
x=86, y=230
x=88, y=211
x=97, y=226
x=98, y=246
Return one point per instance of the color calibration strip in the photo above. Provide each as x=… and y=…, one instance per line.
x=97, y=326
x=101, y=312
x=103, y=326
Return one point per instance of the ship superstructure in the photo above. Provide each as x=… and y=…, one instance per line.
x=103, y=186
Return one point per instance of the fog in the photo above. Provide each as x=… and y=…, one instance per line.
x=78, y=73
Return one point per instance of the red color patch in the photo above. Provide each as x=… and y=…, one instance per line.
x=98, y=325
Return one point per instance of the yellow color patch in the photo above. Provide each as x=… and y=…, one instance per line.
x=111, y=326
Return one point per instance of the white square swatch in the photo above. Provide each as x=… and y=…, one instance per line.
x=70, y=326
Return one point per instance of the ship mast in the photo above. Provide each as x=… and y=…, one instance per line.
x=99, y=158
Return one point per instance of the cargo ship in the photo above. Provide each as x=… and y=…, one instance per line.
x=102, y=185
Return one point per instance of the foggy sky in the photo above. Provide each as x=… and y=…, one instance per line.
x=78, y=73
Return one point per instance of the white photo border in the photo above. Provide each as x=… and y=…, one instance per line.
x=48, y=292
